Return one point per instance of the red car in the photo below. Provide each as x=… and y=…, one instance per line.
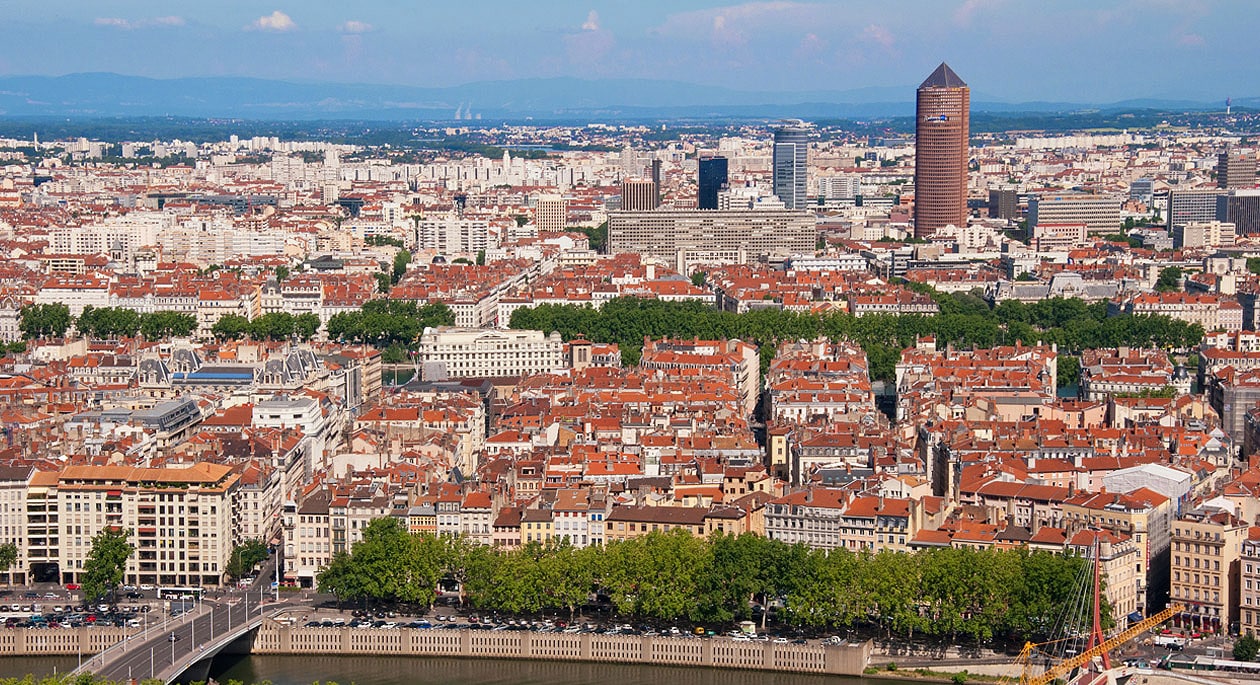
x=72, y=586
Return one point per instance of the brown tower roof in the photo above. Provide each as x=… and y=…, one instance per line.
x=943, y=77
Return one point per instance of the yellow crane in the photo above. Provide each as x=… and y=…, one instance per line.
x=1064, y=667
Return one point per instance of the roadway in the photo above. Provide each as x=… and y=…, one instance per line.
x=176, y=641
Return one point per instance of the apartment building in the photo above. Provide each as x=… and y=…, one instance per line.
x=1206, y=557
x=734, y=361
x=1249, y=585
x=181, y=518
x=1099, y=213
x=685, y=238
x=1142, y=516
x=451, y=352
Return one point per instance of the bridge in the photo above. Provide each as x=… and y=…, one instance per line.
x=166, y=651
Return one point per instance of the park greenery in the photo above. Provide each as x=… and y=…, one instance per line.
x=53, y=320
x=394, y=326
x=273, y=326
x=107, y=558
x=675, y=577
x=965, y=321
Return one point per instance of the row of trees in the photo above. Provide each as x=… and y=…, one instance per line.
x=53, y=320
x=966, y=320
x=678, y=577
x=392, y=325
x=273, y=326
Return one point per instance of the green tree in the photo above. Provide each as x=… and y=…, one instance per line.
x=1246, y=647
x=382, y=283
x=401, y=260
x=245, y=557
x=697, y=279
x=230, y=327
x=282, y=272
x=107, y=558
x=1169, y=279
x=8, y=557
x=44, y=321
x=167, y=324
x=481, y=257
x=305, y=326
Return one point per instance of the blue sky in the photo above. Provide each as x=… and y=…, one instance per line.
x=1073, y=50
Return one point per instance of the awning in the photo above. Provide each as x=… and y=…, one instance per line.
x=1135, y=617
x=113, y=493
x=147, y=531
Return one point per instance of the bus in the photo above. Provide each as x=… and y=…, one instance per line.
x=180, y=593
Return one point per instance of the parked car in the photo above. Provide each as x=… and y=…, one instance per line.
x=72, y=586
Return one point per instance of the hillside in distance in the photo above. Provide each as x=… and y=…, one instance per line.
x=113, y=95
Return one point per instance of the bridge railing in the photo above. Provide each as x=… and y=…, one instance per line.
x=102, y=658
x=209, y=649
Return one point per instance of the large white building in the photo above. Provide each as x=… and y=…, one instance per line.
x=455, y=235
x=180, y=520
x=686, y=237
x=1099, y=213
x=450, y=352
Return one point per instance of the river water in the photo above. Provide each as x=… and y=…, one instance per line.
x=374, y=670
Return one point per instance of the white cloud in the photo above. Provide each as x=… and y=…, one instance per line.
x=128, y=25
x=592, y=21
x=878, y=34
x=353, y=26
x=966, y=11
x=276, y=21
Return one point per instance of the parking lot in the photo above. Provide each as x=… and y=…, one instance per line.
x=393, y=620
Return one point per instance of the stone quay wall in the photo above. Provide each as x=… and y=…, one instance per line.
x=60, y=641
x=715, y=652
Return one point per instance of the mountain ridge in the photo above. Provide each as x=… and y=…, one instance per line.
x=96, y=94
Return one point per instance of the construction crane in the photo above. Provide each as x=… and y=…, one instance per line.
x=1064, y=667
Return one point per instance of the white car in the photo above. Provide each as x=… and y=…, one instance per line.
x=145, y=587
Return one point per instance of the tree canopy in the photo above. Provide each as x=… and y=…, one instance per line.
x=44, y=320
x=385, y=322
x=107, y=558
x=674, y=576
x=245, y=557
x=965, y=321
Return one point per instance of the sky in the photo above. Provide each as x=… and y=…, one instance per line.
x=1059, y=50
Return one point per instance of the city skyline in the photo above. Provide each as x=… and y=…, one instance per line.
x=1134, y=49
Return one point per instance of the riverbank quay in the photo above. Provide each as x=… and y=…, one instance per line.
x=849, y=658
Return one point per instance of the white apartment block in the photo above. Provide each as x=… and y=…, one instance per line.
x=180, y=518
x=451, y=352
x=1200, y=234
x=1099, y=213
x=451, y=235
x=684, y=238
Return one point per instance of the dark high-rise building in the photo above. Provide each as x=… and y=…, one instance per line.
x=1241, y=208
x=1003, y=204
x=1235, y=170
x=791, y=165
x=942, y=130
x=711, y=177
x=1192, y=206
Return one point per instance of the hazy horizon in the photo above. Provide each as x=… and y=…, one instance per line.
x=1072, y=51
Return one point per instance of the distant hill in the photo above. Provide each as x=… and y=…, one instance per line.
x=114, y=95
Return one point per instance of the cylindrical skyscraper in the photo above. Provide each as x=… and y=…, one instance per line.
x=791, y=165
x=942, y=129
